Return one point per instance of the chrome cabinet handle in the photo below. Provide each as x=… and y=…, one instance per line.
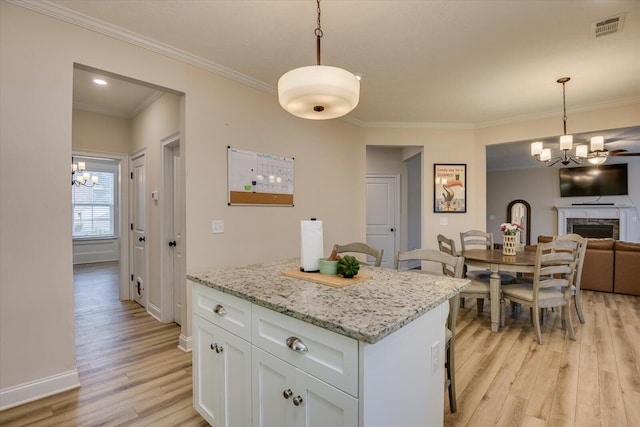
x=297, y=400
x=296, y=344
x=218, y=348
x=219, y=310
x=287, y=393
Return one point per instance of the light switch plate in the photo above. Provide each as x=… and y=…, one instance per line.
x=444, y=221
x=217, y=226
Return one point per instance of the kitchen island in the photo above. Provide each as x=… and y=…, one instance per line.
x=271, y=350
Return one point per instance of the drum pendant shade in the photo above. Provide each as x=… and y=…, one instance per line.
x=318, y=92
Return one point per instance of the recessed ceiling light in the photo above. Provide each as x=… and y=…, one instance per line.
x=100, y=82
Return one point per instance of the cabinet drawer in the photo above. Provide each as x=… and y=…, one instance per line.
x=329, y=356
x=224, y=310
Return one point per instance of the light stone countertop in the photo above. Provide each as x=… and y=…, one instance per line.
x=366, y=311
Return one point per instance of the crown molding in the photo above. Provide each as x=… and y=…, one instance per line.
x=93, y=24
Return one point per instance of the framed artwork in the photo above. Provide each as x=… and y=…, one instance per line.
x=450, y=188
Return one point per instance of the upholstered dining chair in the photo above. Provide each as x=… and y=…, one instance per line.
x=553, y=276
x=361, y=248
x=451, y=266
x=478, y=289
x=477, y=239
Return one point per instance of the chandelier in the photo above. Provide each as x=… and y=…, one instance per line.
x=79, y=176
x=318, y=92
x=595, y=154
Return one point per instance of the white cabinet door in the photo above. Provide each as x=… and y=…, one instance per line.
x=222, y=376
x=284, y=396
x=273, y=388
x=323, y=405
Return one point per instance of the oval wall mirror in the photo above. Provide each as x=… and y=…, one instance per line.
x=519, y=212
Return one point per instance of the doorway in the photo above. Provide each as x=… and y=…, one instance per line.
x=383, y=215
x=173, y=274
x=138, y=227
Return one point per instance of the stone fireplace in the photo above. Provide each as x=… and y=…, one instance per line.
x=594, y=227
x=597, y=221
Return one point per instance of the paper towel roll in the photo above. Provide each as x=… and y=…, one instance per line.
x=311, y=245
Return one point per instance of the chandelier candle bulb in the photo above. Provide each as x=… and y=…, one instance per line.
x=597, y=143
x=582, y=151
x=545, y=154
x=566, y=142
x=536, y=148
x=82, y=166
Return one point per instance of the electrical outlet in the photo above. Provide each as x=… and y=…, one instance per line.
x=435, y=357
x=217, y=226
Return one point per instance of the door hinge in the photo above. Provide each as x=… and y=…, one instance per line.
x=131, y=226
x=131, y=175
x=132, y=277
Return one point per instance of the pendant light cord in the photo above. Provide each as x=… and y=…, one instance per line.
x=318, y=33
x=564, y=80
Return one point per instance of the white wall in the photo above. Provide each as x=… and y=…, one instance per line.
x=540, y=187
x=99, y=132
x=440, y=146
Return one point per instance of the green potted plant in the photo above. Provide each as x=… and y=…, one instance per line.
x=348, y=266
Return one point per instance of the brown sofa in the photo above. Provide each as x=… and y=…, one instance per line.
x=627, y=268
x=609, y=266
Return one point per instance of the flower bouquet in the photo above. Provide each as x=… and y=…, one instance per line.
x=509, y=232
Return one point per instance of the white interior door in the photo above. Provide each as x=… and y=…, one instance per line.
x=177, y=261
x=138, y=230
x=383, y=208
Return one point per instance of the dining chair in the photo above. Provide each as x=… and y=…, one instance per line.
x=477, y=239
x=452, y=266
x=362, y=248
x=553, y=276
x=577, y=278
x=575, y=288
x=478, y=289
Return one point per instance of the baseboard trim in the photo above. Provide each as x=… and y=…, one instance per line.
x=185, y=343
x=34, y=390
x=155, y=312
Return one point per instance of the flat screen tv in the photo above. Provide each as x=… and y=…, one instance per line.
x=605, y=180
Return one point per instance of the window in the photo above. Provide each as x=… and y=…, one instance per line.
x=94, y=208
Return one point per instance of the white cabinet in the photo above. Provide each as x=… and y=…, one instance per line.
x=256, y=367
x=285, y=396
x=253, y=366
x=222, y=375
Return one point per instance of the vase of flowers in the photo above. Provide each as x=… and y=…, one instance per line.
x=509, y=237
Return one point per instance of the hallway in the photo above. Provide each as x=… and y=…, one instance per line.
x=131, y=370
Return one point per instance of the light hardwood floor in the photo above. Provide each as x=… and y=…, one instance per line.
x=132, y=372
x=507, y=379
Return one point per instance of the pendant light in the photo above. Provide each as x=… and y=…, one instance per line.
x=597, y=155
x=318, y=92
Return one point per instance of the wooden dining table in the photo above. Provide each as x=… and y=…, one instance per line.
x=494, y=260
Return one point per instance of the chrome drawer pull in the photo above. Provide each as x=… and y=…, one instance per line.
x=219, y=310
x=297, y=400
x=218, y=348
x=287, y=393
x=296, y=344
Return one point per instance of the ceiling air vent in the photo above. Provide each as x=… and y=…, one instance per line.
x=607, y=26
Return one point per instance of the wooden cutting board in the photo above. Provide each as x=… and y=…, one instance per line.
x=325, y=279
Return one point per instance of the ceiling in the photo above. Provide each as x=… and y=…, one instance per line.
x=439, y=63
